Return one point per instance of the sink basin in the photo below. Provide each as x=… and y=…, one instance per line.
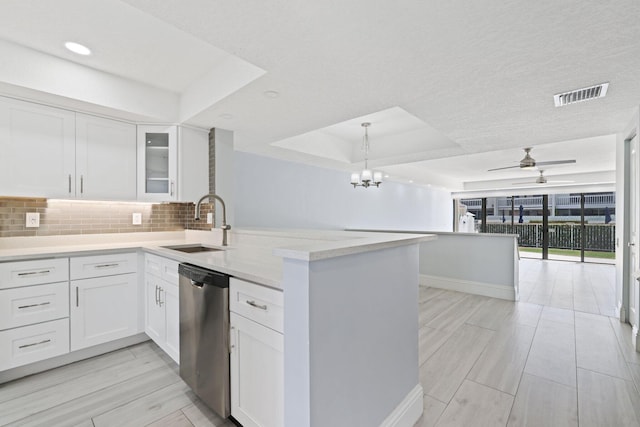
x=192, y=248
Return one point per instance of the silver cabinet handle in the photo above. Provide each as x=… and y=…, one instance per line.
x=77, y=297
x=29, y=273
x=20, y=307
x=156, y=294
x=35, y=343
x=254, y=304
x=107, y=265
x=81, y=184
x=231, y=339
x=69, y=183
x=160, y=302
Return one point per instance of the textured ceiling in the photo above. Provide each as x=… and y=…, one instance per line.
x=481, y=75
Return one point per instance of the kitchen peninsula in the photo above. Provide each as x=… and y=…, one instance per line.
x=350, y=311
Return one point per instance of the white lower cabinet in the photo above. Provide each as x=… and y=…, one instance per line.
x=103, y=309
x=257, y=358
x=103, y=299
x=28, y=344
x=33, y=304
x=162, y=316
x=34, y=311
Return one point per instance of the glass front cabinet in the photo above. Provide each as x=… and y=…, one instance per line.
x=157, y=162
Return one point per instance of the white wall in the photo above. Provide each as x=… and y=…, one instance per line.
x=83, y=88
x=622, y=194
x=477, y=263
x=277, y=193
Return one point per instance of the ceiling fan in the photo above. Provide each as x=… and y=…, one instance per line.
x=529, y=162
x=542, y=180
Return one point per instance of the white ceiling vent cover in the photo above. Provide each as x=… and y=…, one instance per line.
x=580, y=95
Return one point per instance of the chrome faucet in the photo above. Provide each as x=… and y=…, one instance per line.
x=225, y=227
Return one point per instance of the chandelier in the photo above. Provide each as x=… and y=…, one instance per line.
x=367, y=177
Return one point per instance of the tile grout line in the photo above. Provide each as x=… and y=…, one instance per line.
x=523, y=369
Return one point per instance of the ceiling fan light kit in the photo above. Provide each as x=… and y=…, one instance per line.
x=542, y=180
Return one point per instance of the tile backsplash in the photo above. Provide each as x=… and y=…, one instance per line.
x=58, y=217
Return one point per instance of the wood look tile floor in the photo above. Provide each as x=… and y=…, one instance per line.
x=559, y=357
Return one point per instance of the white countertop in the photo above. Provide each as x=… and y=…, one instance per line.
x=254, y=254
x=437, y=233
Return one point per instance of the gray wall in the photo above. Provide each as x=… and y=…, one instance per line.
x=224, y=174
x=351, y=350
x=276, y=193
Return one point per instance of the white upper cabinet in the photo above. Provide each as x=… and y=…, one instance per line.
x=157, y=162
x=173, y=163
x=38, y=150
x=193, y=165
x=105, y=159
x=55, y=153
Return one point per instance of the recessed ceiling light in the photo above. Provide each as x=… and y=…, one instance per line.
x=411, y=181
x=271, y=94
x=386, y=176
x=226, y=116
x=78, y=48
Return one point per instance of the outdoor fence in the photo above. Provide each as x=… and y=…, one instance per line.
x=598, y=237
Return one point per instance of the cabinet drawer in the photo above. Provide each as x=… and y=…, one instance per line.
x=36, y=272
x=153, y=265
x=28, y=344
x=103, y=265
x=170, y=271
x=258, y=303
x=33, y=304
x=161, y=267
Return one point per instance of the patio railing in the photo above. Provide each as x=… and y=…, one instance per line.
x=598, y=237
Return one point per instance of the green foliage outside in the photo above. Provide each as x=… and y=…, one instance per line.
x=568, y=252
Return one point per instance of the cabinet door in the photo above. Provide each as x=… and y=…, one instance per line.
x=105, y=159
x=257, y=374
x=157, y=163
x=169, y=300
x=103, y=309
x=154, y=322
x=38, y=150
x=193, y=164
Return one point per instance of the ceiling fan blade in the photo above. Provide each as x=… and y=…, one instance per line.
x=555, y=162
x=559, y=182
x=499, y=169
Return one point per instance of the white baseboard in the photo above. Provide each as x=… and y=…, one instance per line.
x=408, y=412
x=470, y=287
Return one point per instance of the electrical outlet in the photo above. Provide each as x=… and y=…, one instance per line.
x=33, y=219
x=210, y=218
x=137, y=219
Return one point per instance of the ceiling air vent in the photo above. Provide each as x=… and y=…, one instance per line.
x=579, y=95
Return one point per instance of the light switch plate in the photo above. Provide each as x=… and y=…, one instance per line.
x=33, y=219
x=210, y=218
x=137, y=219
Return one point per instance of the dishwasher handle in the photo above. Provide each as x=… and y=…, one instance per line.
x=196, y=283
x=199, y=277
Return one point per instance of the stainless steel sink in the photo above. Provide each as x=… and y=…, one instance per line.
x=192, y=248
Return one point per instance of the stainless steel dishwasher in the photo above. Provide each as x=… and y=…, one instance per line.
x=204, y=335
